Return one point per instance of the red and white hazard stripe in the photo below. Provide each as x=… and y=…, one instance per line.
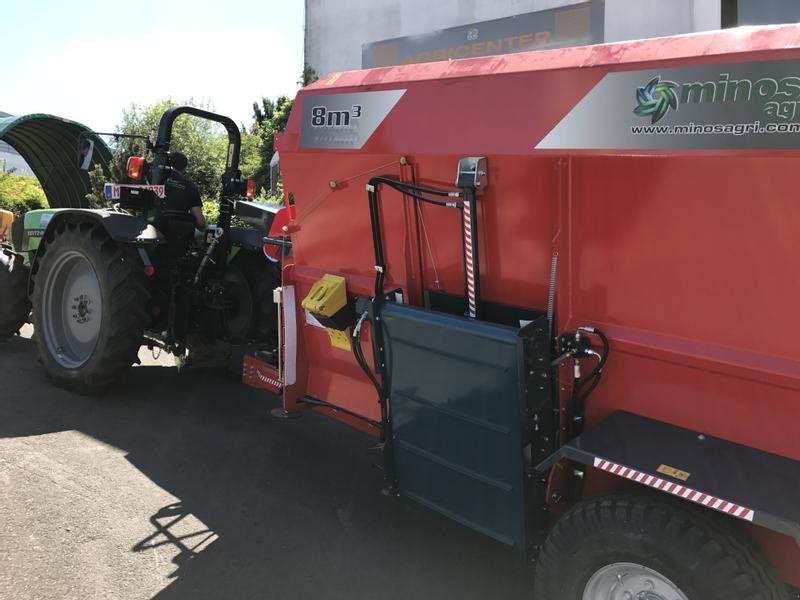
x=468, y=257
x=675, y=489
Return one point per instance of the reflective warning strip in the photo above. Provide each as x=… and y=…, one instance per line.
x=729, y=508
x=468, y=253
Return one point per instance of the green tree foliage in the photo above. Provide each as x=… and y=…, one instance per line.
x=97, y=179
x=205, y=144
x=21, y=194
x=269, y=118
x=211, y=210
x=308, y=76
x=250, y=160
x=202, y=141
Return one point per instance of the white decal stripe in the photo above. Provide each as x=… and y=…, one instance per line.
x=290, y=336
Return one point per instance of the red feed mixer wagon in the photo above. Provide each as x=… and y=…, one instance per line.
x=560, y=289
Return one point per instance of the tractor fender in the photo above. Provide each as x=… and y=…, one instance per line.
x=121, y=227
x=248, y=239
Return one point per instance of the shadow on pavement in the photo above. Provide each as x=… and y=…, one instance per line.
x=292, y=509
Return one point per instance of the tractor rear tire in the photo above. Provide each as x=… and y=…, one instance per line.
x=644, y=546
x=15, y=307
x=89, y=300
x=240, y=309
x=262, y=278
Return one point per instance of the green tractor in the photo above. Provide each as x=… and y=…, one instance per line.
x=100, y=283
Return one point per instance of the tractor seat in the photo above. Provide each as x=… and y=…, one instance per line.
x=178, y=230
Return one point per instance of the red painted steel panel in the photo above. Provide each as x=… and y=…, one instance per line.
x=261, y=375
x=686, y=258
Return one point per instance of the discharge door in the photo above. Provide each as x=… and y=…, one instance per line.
x=459, y=410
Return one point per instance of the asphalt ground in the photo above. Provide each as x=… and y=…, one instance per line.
x=182, y=485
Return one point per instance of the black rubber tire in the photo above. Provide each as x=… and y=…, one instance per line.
x=124, y=299
x=240, y=313
x=704, y=554
x=263, y=277
x=15, y=307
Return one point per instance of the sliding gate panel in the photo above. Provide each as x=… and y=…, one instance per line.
x=456, y=406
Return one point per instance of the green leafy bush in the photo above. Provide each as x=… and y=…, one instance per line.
x=21, y=194
x=211, y=210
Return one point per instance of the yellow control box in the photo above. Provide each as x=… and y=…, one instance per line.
x=327, y=301
x=327, y=296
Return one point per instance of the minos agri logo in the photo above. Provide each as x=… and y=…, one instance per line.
x=656, y=98
x=779, y=97
x=713, y=106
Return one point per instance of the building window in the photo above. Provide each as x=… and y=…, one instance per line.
x=759, y=12
x=728, y=13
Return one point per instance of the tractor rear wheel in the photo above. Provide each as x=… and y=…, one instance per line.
x=14, y=304
x=251, y=281
x=89, y=314
x=239, y=306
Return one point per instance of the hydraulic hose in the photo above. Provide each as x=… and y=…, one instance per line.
x=416, y=188
x=418, y=193
x=598, y=369
x=583, y=387
x=359, y=354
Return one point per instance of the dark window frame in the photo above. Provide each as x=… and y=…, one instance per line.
x=733, y=9
x=730, y=10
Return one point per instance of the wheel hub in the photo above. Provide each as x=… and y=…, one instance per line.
x=81, y=309
x=72, y=309
x=628, y=581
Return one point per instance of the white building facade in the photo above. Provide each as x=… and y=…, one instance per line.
x=352, y=34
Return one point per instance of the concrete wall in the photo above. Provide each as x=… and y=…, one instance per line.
x=336, y=29
x=637, y=19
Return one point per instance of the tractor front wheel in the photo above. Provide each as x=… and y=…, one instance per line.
x=88, y=308
x=14, y=304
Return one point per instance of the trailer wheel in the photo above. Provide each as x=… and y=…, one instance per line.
x=631, y=547
x=14, y=304
x=89, y=313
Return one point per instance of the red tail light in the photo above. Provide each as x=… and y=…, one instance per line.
x=250, y=190
x=135, y=167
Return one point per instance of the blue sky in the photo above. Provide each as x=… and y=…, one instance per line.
x=87, y=60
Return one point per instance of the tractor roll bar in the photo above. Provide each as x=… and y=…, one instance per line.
x=161, y=149
x=230, y=179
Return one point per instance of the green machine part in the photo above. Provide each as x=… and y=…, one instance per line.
x=35, y=223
